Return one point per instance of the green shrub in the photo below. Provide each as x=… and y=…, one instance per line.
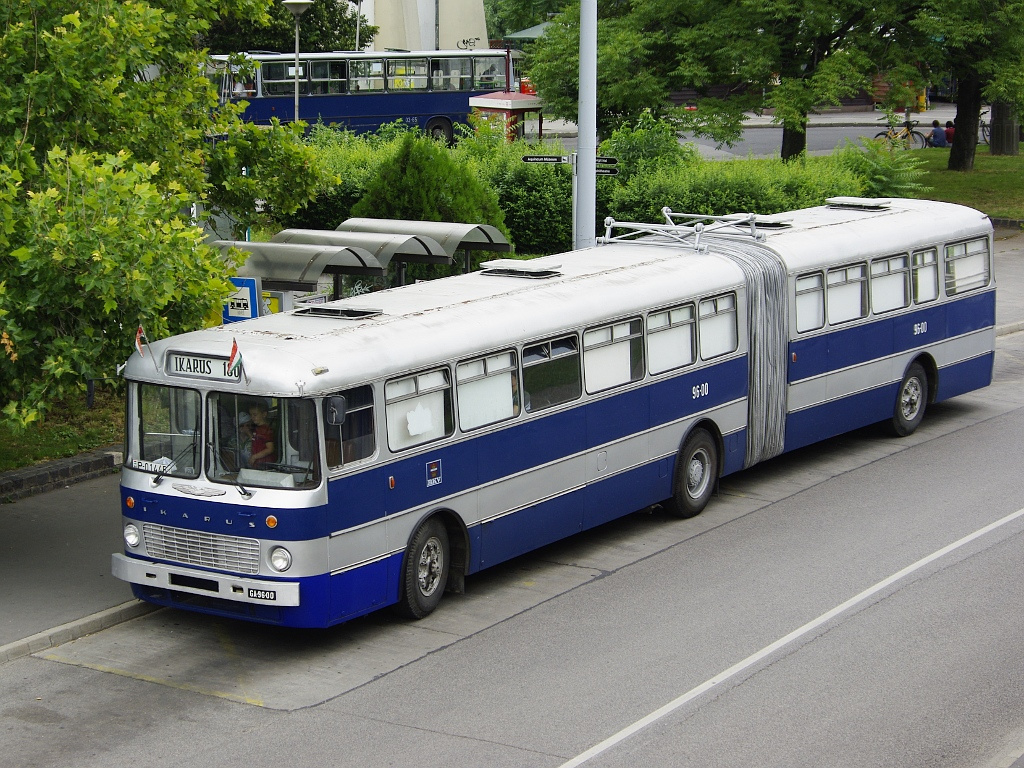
x=649, y=144
x=348, y=162
x=717, y=188
x=885, y=169
x=423, y=181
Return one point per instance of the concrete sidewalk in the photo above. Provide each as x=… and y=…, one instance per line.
x=56, y=546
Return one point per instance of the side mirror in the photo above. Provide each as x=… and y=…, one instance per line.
x=335, y=407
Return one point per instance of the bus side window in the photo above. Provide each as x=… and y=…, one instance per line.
x=717, y=329
x=551, y=373
x=890, y=284
x=613, y=355
x=966, y=266
x=418, y=409
x=847, y=293
x=488, y=390
x=671, y=338
x=925, y=275
x=810, y=302
x=354, y=440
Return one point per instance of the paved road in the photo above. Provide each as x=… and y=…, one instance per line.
x=841, y=605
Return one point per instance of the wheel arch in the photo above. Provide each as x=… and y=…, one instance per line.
x=458, y=543
x=931, y=370
x=712, y=429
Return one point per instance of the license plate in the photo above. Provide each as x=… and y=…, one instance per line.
x=262, y=594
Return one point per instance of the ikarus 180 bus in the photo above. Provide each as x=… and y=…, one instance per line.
x=377, y=450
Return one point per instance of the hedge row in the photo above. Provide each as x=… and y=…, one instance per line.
x=535, y=200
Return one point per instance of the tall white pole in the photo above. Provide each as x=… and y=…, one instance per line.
x=297, y=8
x=585, y=166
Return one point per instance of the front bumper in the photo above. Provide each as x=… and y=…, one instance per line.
x=197, y=582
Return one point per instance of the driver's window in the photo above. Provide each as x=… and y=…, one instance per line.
x=354, y=440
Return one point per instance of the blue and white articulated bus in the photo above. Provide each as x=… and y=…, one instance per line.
x=363, y=90
x=376, y=450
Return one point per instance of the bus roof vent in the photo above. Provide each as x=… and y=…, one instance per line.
x=519, y=268
x=338, y=313
x=859, y=203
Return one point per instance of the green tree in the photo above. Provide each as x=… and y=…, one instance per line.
x=423, y=182
x=982, y=44
x=507, y=16
x=106, y=117
x=788, y=55
x=327, y=25
x=101, y=249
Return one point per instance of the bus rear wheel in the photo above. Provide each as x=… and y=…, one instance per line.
x=425, y=571
x=440, y=129
x=696, y=474
x=911, y=399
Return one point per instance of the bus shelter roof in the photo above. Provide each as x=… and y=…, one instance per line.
x=298, y=266
x=384, y=246
x=451, y=236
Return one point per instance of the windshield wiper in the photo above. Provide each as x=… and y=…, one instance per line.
x=223, y=473
x=174, y=462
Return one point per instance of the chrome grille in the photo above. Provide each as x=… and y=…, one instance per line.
x=208, y=550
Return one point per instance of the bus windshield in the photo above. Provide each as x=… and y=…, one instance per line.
x=167, y=442
x=262, y=441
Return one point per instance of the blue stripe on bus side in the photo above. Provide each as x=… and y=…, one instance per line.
x=844, y=414
x=890, y=334
x=363, y=497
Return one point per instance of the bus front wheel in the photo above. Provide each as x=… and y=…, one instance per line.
x=696, y=473
x=911, y=399
x=425, y=572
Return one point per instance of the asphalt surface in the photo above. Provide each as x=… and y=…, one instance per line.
x=55, y=582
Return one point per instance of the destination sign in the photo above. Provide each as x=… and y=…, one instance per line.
x=201, y=367
x=602, y=171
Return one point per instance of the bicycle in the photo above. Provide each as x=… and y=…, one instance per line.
x=984, y=129
x=904, y=135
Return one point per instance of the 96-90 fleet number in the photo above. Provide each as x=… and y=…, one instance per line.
x=262, y=594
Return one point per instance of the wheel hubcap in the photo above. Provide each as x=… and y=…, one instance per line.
x=430, y=565
x=697, y=474
x=910, y=399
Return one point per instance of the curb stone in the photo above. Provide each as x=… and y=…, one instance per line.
x=50, y=475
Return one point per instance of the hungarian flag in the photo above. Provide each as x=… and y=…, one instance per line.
x=235, y=359
x=140, y=335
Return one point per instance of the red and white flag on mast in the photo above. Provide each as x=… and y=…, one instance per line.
x=140, y=336
x=235, y=359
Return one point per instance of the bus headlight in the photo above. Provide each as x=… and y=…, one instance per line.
x=132, y=537
x=280, y=559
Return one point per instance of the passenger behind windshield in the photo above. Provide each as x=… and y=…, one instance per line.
x=263, y=441
x=264, y=451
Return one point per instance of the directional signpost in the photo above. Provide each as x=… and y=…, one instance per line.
x=605, y=165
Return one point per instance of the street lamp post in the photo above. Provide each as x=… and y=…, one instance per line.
x=297, y=7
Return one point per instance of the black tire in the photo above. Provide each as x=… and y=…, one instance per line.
x=425, y=570
x=696, y=475
x=440, y=129
x=920, y=142
x=911, y=400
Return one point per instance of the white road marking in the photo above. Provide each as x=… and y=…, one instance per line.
x=782, y=642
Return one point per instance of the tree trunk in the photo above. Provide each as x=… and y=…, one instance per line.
x=968, y=112
x=1005, y=136
x=794, y=138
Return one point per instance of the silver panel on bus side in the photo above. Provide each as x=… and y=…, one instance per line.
x=836, y=385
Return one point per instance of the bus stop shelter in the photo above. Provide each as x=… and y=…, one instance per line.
x=452, y=237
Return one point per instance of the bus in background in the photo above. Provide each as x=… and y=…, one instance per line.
x=363, y=90
x=312, y=466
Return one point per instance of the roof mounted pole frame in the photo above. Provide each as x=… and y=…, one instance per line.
x=684, y=228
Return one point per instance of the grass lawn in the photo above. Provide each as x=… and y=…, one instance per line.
x=995, y=186
x=71, y=428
